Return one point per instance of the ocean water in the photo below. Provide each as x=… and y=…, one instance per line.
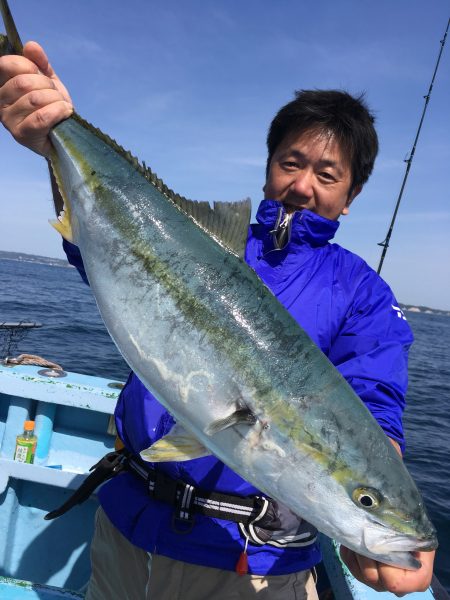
x=73, y=336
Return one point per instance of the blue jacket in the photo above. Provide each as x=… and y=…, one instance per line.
x=351, y=314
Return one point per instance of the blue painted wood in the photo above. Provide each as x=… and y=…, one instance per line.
x=72, y=416
x=45, y=415
x=14, y=589
x=83, y=391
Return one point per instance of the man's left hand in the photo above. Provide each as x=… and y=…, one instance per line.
x=385, y=578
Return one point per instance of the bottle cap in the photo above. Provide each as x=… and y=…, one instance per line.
x=28, y=426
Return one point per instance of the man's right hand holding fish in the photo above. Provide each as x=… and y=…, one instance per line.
x=32, y=98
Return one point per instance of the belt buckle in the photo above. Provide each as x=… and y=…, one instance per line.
x=165, y=488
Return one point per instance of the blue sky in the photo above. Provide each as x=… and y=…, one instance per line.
x=190, y=87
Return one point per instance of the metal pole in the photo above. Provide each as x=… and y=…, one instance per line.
x=385, y=243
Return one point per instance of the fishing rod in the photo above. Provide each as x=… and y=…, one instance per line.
x=408, y=161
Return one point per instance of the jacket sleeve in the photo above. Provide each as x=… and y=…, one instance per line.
x=371, y=352
x=74, y=258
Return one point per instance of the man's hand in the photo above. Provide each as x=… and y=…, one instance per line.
x=32, y=98
x=384, y=578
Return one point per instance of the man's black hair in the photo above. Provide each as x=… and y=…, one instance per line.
x=336, y=113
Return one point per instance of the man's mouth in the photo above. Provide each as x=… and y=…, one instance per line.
x=293, y=206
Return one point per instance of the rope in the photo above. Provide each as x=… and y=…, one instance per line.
x=32, y=359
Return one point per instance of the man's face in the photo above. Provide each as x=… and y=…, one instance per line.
x=309, y=170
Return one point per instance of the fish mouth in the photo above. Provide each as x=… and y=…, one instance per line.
x=396, y=548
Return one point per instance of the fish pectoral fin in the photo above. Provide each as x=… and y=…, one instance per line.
x=178, y=446
x=63, y=226
x=241, y=416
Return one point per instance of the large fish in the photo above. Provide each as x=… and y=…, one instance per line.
x=218, y=350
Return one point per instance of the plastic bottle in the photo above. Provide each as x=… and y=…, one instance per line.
x=26, y=444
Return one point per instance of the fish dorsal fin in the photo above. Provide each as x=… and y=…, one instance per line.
x=226, y=222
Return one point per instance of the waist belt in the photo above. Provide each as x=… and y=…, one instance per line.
x=186, y=498
x=261, y=520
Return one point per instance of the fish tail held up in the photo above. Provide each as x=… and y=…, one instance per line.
x=14, y=45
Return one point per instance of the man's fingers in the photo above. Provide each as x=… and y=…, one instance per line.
x=350, y=558
x=369, y=571
x=400, y=581
x=33, y=129
x=43, y=119
x=12, y=65
x=362, y=568
x=28, y=103
x=18, y=86
x=383, y=577
x=32, y=98
x=35, y=53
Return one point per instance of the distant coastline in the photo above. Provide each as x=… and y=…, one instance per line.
x=60, y=262
x=416, y=308
x=33, y=258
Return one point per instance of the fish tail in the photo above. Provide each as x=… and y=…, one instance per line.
x=12, y=44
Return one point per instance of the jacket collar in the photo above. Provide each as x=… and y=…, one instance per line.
x=304, y=227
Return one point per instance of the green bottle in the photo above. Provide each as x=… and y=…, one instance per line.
x=26, y=444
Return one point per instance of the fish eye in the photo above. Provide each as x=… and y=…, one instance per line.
x=366, y=498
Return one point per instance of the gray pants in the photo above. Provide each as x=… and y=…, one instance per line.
x=121, y=571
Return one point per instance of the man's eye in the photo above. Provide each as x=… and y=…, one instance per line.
x=290, y=164
x=327, y=176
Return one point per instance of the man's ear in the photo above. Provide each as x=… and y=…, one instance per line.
x=350, y=199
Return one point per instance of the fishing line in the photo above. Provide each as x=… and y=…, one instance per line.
x=408, y=161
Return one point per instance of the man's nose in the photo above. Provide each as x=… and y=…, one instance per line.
x=302, y=185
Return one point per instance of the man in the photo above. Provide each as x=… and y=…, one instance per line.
x=322, y=147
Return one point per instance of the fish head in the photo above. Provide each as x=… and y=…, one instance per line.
x=395, y=523
x=352, y=485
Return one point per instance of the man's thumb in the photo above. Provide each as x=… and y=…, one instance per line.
x=34, y=52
